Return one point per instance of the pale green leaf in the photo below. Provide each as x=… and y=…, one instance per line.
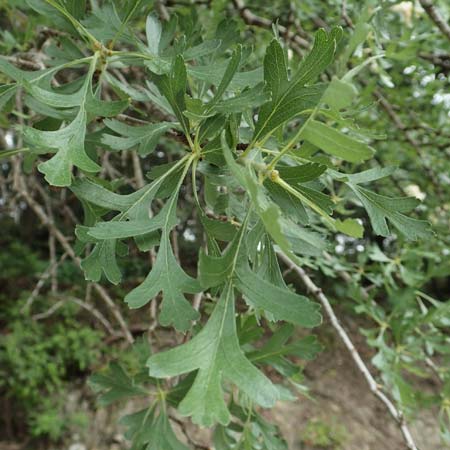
x=334, y=142
x=215, y=353
x=381, y=209
x=153, y=32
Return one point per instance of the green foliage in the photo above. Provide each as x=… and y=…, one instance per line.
x=36, y=363
x=328, y=433
x=270, y=153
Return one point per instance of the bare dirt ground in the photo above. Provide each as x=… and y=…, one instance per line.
x=345, y=409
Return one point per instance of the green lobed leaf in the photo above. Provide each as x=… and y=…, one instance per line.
x=381, y=208
x=169, y=278
x=146, y=137
x=173, y=87
x=115, y=385
x=282, y=303
x=295, y=98
x=215, y=353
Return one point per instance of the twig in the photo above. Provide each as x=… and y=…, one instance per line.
x=441, y=60
x=138, y=175
x=191, y=440
x=42, y=279
x=197, y=301
x=49, y=312
x=345, y=16
x=162, y=10
x=24, y=63
x=435, y=16
x=373, y=385
x=252, y=19
x=94, y=311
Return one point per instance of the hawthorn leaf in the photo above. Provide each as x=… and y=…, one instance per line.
x=215, y=353
x=84, y=95
x=102, y=258
x=215, y=270
x=230, y=71
x=153, y=32
x=69, y=145
x=163, y=436
x=152, y=431
x=214, y=74
x=382, y=209
x=275, y=69
x=133, y=221
x=368, y=175
x=276, y=299
x=320, y=57
x=293, y=102
x=146, y=137
x=350, y=227
x=126, y=203
x=295, y=97
x=302, y=173
x=287, y=202
x=56, y=99
x=21, y=76
x=335, y=143
x=250, y=98
x=115, y=384
x=203, y=49
x=169, y=278
x=173, y=87
x=281, y=303
x=68, y=142
x=339, y=94
x=134, y=206
x=135, y=227
x=276, y=348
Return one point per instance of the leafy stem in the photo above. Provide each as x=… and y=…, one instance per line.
x=293, y=140
x=77, y=25
x=286, y=186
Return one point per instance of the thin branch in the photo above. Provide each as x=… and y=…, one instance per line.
x=436, y=17
x=362, y=367
x=345, y=15
x=50, y=311
x=24, y=63
x=252, y=19
x=192, y=441
x=42, y=279
x=162, y=10
x=94, y=311
x=138, y=175
x=441, y=60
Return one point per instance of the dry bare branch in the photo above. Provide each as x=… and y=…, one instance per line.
x=436, y=17
x=361, y=365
